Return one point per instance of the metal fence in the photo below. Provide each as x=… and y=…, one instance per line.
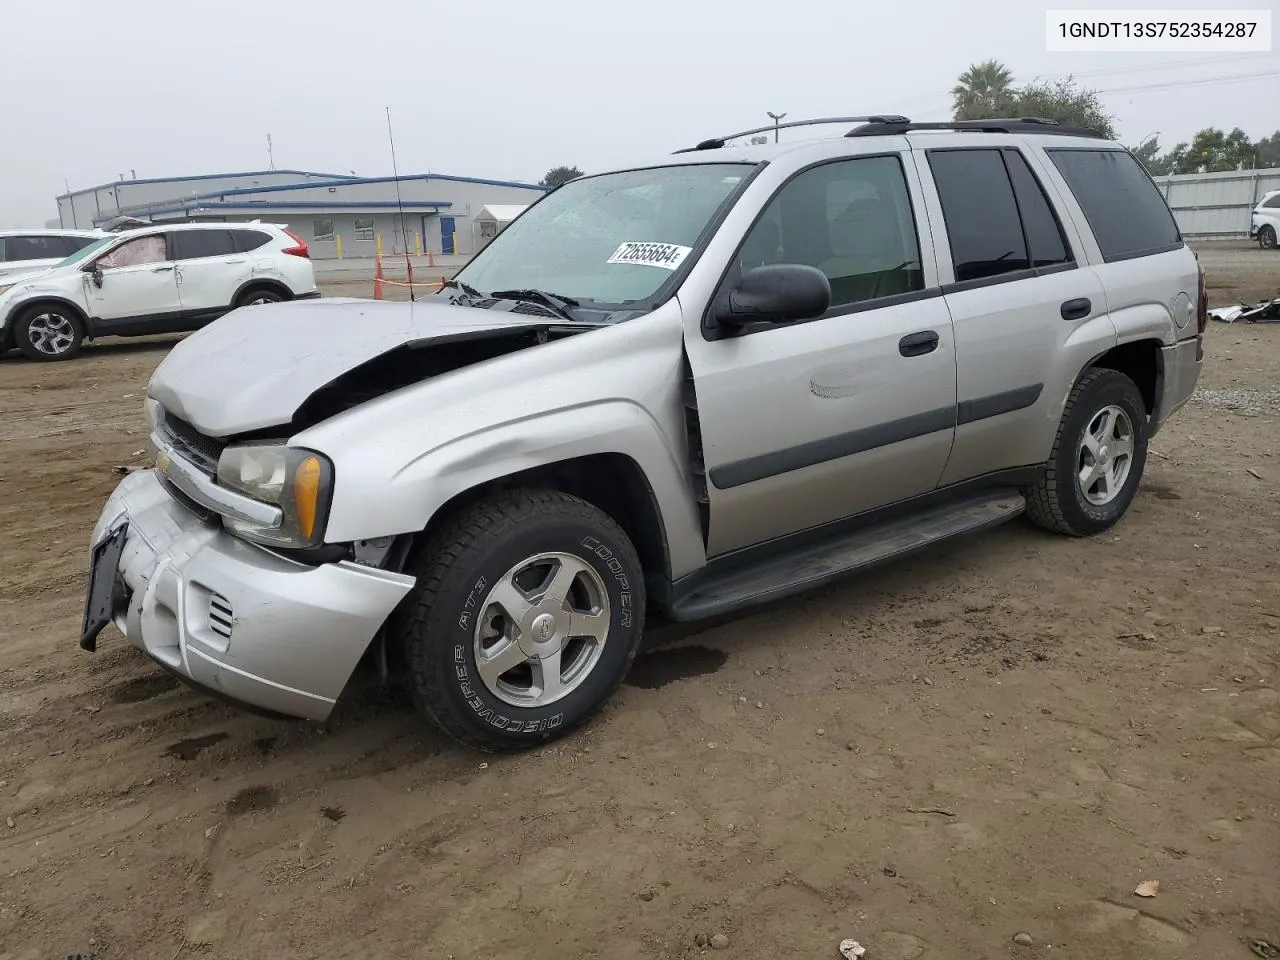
x=1216, y=206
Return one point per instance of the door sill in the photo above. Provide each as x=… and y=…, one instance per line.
x=806, y=565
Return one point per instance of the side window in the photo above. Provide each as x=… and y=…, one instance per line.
x=322, y=230
x=851, y=219
x=76, y=244
x=33, y=248
x=247, y=240
x=1273, y=203
x=202, y=244
x=1125, y=210
x=980, y=212
x=136, y=252
x=363, y=230
x=1044, y=232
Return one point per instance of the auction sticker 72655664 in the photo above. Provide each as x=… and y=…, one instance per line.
x=668, y=256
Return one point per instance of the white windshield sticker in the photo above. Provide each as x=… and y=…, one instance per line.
x=665, y=255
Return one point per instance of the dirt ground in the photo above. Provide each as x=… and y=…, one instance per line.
x=1004, y=736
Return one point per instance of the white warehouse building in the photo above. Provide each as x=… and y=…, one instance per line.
x=337, y=216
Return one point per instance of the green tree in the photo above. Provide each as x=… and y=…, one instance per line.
x=1267, y=151
x=1149, y=153
x=1212, y=151
x=559, y=176
x=1063, y=101
x=984, y=90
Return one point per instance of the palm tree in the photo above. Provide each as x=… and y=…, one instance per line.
x=984, y=91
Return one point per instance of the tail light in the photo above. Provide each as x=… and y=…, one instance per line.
x=1202, y=303
x=299, y=249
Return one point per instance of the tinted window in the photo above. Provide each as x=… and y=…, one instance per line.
x=980, y=212
x=247, y=240
x=1124, y=208
x=1043, y=231
x=195, y=244
x=852, y=220
x=1273, y=202
x=33, y=248
x=73, y=244
x=322, y=230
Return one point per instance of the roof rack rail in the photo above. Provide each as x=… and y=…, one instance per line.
x=715, y=143
x=882, y=128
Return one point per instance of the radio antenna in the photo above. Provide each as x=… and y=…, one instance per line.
x=404, y=234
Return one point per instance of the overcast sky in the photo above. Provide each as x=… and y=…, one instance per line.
x=507, y=89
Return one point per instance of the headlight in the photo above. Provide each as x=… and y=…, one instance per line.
x=299, y=482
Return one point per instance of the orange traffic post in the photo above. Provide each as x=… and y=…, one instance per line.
x=377, y=277
x=431, y=260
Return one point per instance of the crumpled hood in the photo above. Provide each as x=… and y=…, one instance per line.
x=26, y=276
x=254, y=367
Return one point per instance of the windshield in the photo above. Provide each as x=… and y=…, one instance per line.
x=614, y=238
x=85, y=252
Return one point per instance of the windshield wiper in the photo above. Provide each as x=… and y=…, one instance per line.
x=469, y=290
x=559, y=304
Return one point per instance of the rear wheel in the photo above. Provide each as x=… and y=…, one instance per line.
x=1267, y=238
x=260, y=295
x=1097, y=460
x=526, y=616
x=48, y=332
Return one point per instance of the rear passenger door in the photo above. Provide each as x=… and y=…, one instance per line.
x=1026, y=314
x=210, y=271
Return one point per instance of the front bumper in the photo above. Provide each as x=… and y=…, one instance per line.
x=234, y=619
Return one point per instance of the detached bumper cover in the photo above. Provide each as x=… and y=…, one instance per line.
x=241, y=622
x=1181, y=371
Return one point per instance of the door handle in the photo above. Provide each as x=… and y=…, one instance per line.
x=1076, y=309
x=162, y=269
x=918, y=344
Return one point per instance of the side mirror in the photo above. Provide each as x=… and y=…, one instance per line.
x=95, y=274
x=777, y=293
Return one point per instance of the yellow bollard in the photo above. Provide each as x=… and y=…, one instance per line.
x=377, y=244
x=337, y=242
x=417, y=244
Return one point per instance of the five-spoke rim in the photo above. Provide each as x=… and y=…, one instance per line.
x=51, y=333
x=1105, y=456
x=541, y=629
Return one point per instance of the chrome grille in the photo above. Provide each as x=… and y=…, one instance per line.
x=221, y=616
x=191, y=444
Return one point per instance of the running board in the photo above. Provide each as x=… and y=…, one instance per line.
x=815, y=564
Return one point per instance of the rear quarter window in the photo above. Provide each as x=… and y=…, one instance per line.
x=1122, y=204
x=247, y=240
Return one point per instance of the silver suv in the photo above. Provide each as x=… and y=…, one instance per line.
x=712, y=380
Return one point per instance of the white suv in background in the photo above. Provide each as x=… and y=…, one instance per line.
x=1265, y=223
x=25, y=251
x=169, y=279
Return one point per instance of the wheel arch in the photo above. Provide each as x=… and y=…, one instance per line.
x=612, y=482
x=8, y=336
x=261, y=283
x=1142, y=361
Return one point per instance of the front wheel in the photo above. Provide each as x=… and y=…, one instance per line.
x=1097, y=460
x=526, y=616
x=48, y=332
x=1267, y=238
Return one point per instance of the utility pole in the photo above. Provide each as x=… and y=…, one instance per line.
x=776, y=118
x=271, y=159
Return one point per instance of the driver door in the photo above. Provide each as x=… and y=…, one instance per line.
x=139, y=291
x=811, y=422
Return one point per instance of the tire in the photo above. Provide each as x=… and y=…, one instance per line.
x=1267, y=238
x=49, y=332
x=1061, y=501
x=258, y=295
x=482, y=580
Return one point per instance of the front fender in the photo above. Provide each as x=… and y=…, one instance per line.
x=368, y=504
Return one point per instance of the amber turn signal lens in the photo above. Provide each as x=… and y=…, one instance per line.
x=306, y=494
